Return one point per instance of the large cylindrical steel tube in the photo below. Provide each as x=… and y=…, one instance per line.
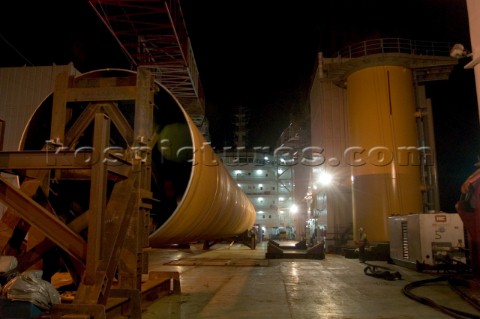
x=385, y=160
x=212, y=205
x=195, y=196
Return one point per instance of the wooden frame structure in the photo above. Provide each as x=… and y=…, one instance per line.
x=110, y=262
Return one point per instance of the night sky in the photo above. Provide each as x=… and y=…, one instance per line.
x=261, y=55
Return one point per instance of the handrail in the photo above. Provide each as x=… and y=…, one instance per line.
x=395, y=45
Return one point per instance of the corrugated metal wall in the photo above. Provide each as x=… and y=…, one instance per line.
x=21, y=91
x=329, y=130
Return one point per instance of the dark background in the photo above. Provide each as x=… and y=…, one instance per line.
x=261, y=55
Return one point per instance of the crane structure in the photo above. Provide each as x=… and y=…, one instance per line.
x=153, y=34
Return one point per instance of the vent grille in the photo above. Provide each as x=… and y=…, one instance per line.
x=405, y=239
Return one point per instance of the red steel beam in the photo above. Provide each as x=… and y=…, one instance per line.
x=153, y=33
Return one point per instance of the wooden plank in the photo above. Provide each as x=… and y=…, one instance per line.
x=11, y=218
x=59, y=108
x=122, y=93
x=41, y=218
x=98, y=199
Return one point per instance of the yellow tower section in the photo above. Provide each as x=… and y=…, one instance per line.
x=384, y=154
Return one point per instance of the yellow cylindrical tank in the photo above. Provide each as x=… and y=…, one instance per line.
x=383, y=156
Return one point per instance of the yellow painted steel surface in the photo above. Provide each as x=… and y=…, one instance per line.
x=213, y=206
x=195, y=198
x=384, y=153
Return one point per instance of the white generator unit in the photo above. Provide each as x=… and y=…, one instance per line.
x=430, y=239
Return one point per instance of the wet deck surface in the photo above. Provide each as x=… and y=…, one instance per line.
x=237, y=282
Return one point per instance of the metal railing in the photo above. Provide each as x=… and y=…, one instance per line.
x=395, y=45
